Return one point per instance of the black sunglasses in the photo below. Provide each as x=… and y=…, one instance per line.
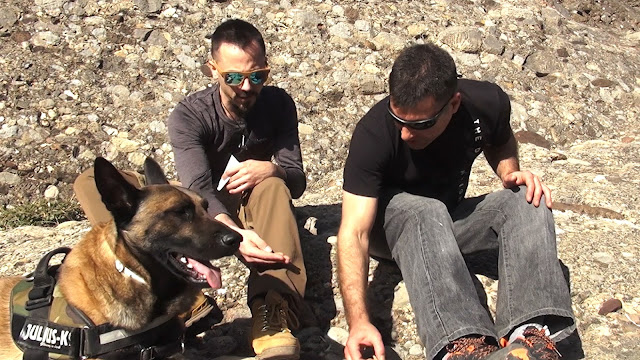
x=417, y=124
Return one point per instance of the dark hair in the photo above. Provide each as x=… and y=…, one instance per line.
x=236, y=32
x=421, y=71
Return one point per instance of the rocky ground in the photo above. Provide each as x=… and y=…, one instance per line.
x=86, y=78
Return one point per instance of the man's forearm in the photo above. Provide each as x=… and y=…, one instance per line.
x=353, y=267
x=503, y=159
x=507, y=166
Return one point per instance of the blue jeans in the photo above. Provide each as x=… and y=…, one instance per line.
x=499, y=235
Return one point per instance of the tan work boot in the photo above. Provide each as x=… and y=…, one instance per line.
x=203, y=315
x=271, y=336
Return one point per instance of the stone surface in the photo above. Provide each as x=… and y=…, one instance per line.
x=86, y=78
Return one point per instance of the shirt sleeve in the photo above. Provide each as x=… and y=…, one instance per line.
x=187, y=133
x=368, y=155
x=490, y=103
x=287, y=148
x=503, y=131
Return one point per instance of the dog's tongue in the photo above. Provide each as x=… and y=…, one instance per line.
x=211, y=273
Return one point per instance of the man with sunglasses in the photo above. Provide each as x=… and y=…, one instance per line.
x=404, y=184
x=224, y=139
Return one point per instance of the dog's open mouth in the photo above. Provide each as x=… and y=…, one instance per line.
x=196, y=271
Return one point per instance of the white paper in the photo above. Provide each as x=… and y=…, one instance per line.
x=223, y=181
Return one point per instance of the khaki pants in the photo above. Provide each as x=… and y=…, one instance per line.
x=267, y=210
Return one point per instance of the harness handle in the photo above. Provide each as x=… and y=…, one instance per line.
x=44, y=281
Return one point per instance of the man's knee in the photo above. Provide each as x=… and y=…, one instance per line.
x=90, y=198
x=416, y=207
x=515, y=208
x=517, y=201
x=86, y=182
x=414, y=216
x=83, y=181
x=272, y=186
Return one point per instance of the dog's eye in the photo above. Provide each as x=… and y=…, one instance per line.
x=188, y=214
x=185, y=213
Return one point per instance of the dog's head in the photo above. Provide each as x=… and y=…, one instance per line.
x=168, y=224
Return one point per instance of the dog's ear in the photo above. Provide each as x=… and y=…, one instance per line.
x=118, y=195
x=153, y=173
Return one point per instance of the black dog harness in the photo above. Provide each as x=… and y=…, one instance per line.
x=44, y=326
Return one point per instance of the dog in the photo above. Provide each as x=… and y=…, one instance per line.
x=149, y=262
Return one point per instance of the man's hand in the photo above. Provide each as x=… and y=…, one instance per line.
x=535, y=187
x=256, y=251
x=504, y=161
x=249, y=173
x=253, y=249
x=362, y=335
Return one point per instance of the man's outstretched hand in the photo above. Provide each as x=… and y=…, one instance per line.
x=254, y=250
x=535, y=187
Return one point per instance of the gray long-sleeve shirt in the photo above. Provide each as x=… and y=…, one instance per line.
x=203, y=138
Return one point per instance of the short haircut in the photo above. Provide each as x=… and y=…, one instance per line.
x=236, y=32
x=420, y=71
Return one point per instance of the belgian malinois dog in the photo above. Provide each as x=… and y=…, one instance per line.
x=150, y=261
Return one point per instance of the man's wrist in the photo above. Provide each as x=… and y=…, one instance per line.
x=278, y=171
x=355, y=310
x=226, y=219
x=356, y=320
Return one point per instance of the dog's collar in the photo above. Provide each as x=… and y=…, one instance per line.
x=128, y=272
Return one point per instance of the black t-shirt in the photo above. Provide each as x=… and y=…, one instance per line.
x=379, y=158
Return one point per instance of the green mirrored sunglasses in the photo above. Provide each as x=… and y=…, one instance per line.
x=235, y=78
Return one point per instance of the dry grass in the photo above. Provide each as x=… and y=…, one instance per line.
x=40, y=213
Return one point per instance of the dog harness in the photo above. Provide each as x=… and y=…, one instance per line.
x=44, y=326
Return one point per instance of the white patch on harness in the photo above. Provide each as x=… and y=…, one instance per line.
x=46, y=336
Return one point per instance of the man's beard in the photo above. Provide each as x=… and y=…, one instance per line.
x=241, y=109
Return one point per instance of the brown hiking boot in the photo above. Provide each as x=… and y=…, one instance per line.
x=469, y=348
x=271, y=325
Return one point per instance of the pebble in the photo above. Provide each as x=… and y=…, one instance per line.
x=416, y=350
x=8, y=16
x=338, y=335
x=45, y=39
x=8, y=178
x=610, y=306
x=310, y=225
x=603, y=258
x=51, y=192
